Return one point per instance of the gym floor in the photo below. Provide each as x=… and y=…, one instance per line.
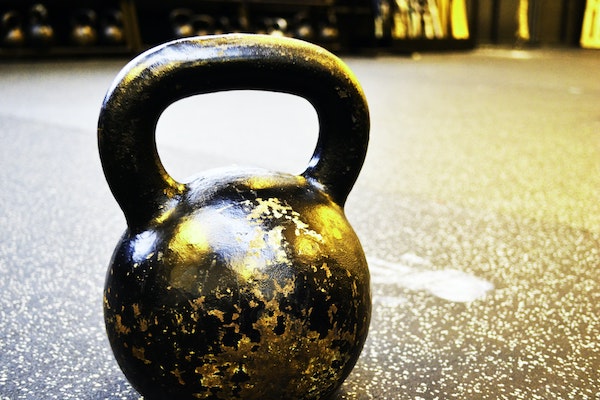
x=478, y=208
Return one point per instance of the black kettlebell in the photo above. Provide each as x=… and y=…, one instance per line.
x=41, y=32
x=83, y=32
x=12, y=29
x=303, y=27
x=242, y=283
x=112, y=27
x=203, y=24
x=277, y=26
x=328, y=31
x=181, y=22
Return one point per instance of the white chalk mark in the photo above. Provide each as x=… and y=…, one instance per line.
x=415, y=273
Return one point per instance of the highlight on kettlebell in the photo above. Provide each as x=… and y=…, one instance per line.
x=243, y=283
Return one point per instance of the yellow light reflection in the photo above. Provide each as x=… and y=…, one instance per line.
x=191, y=234
x=190, y=247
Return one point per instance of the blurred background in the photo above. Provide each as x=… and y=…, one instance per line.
x=94, y=27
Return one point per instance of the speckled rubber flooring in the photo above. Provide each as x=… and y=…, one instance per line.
x=478, y=208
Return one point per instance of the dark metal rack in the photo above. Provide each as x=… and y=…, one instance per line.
x=101, y=27
x=125, y=27
x=336, y=25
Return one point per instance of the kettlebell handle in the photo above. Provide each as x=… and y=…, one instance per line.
x=186, y=67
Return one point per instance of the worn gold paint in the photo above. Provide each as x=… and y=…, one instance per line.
x=177, y=374
x=143, y=325
x=119, y=327
x=139, y=353
x=217, y=313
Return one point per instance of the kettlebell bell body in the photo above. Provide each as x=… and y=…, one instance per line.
x=239, y=284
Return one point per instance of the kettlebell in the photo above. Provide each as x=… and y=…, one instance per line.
x=274, y=26
x=83, y=31
x=203, y=24
x=181, y=22
x=240, y=283
x=328, y=31
x=12, y=30
x=41, y=32
x=303, y=27
x=277, y=26
x=112, y=27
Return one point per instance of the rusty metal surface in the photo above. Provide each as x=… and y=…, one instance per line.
x=477, y=208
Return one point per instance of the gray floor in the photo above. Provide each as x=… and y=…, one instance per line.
x=478, y=208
